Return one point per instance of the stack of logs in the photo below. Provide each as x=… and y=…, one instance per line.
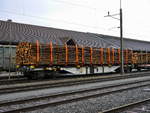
x=50, y=54
x=25, y=53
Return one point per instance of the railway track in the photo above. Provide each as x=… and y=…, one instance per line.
x=13, y=81
x=125, y=107
x=21, y=79
x=5, y=76
x=60, y=83
x=40, y=102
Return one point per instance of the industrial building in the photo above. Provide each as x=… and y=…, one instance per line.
x=12, y=33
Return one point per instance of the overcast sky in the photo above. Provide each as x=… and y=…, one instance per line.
x=82, y=15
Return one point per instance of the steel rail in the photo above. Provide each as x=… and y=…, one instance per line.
x=126, y=106
x=19, y=88
x=65, y=101
x=20, y=79
x=12, y=81
x=12, y=76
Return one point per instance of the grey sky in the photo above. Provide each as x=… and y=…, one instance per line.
x=82, y=15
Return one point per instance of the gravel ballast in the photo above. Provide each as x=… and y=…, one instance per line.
x=23, y=95
x=92, y=105
x=143, y=108
x=98, y=104
x=60, y=98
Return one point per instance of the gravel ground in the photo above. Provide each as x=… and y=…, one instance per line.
x=98, y=104
x=23, y=95
x=145, y=108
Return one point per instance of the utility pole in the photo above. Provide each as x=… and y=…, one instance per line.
x=121, y=37
x=9, y=21
x=121, y=41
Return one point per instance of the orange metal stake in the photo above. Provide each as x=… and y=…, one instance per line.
x=66, y=47
x=101, y=56
x=82, y=55
x=57, y=55
x=126, y=56
x=77, y=57
x=132, y=57
x=51, y=53
x=91, y=57
x=37, y=51
x=113, y=56
x=108, y=57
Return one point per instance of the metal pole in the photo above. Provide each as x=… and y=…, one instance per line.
x=121, y=41
x=9, y=21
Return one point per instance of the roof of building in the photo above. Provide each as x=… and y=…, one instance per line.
x=30, y=33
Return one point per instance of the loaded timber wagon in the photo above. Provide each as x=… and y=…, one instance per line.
x=39, y=59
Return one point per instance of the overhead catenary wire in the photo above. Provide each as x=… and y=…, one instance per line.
x=134, y=35
x=64, y=21
x=57, y=20
x=75, y=4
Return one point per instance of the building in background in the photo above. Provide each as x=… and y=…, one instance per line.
x=30, y=33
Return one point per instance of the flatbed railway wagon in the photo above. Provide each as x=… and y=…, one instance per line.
x=35, y=59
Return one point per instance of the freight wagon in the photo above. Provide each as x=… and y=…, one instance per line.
x=7, y=57
x=35, y=59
